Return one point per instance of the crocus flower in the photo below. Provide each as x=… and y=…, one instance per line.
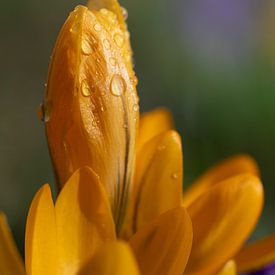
x=120, y=209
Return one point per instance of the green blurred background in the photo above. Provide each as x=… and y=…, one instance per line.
x=210, y=61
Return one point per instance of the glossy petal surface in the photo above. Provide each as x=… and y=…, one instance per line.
x=61, y=240
x=230, y=167
x=158, y=181
x=152, y=124
x=222, y=221
x=114, y=258
x=160, y=185
x=10, y=260
x=163, y=247
x=92, y=104
x=229, y=268
x=256, y=255
x=83, y=219
x=41, y=246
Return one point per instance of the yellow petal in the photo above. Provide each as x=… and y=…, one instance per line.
x=238, y=164
x=152, y=124
x=228, y=269
x=158, y=181
x=83, y=219
x=112, y=9
x=10, y=260
x=91, y=104
x=160, y=186
x=222, y=219
x=41, y=248
x=256, y=255
x=114, y=258
x=163, y=247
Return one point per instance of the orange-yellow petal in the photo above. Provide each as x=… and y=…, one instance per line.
x=113, y=258
x=163, y=247
x=152, y=124
x=160, y=186
x=10, y=260
x=229, y=268
x=230, y=167
x=83, y=219
x=158, y=181
x=223, y=219
x=91, y=104
x=116, y=13
x=41, y=248
x=256, y=255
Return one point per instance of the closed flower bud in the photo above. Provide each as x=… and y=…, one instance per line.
x=91, y=102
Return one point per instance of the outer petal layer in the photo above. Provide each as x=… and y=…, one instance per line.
x=91, y=102
x=152, y=124
x=83, y=219
x=61, y=240
x=256, y=255
x=163, y=247
x=41, y=248
x=10, y=260
x=113, y=258
x=222, y=220
x=230, y=167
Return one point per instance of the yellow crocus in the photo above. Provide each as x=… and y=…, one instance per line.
x=120, y=209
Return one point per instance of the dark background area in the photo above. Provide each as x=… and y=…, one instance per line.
x=210, y=61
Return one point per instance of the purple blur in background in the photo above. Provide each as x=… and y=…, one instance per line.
x=269, y=270
x=220, y=31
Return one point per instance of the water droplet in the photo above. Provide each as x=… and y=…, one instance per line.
x=43, y=112
x=135, y=107
x=104, y=11
x=85, y=88
x=40, y=112
x=119, y=39
x=161, y=147
x=45, y=85
x=102, y=108
x=97, y=27
x=112, y=61
x=134, y=80
x=106, y=44
x=86, y=47
x=125, y=126
x=75, y=28
x=98, y=60
x=124, y=13
x=118, y=85
x=175, y=176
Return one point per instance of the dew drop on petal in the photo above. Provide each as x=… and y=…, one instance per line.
x=134, y=80
x=135, y=107
x=124, y=13
x=174, y=176
x=161, y=147
x=104, y=11
x=118, y=85
x=75, y=28
x=119, y=40
x=43, y=111
x=85, y=88
x=112, y=61
x=86, y=47
x=97, y=27
x=106, y=44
